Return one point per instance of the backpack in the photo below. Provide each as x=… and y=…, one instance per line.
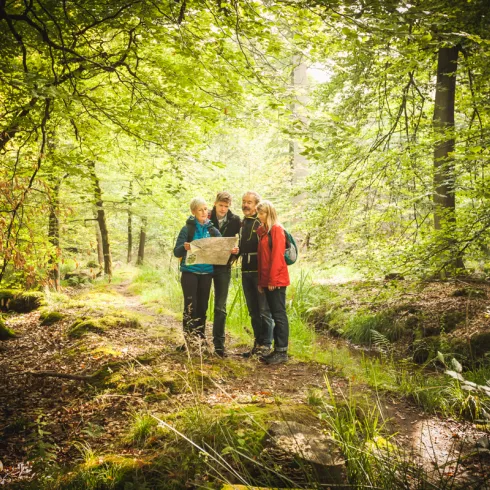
x=291, y=252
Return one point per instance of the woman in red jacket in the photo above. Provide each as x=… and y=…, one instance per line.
x=273, y=277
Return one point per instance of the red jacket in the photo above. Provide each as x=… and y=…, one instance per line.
x=272, y=267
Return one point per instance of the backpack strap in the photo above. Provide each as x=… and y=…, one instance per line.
x=288, y=244
x=191, y=230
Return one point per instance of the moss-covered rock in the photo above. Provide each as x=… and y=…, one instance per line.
x=148, y=357
x=460, y=347
x=83, y=326
x=425, y=349
x=5, y=332
x=50, y=317
x=104, y=376
x=120, y=319
x=480, y=344
x=5, y=296
x=104, y=467
x=451, y=319
x=468, y=292
x=431, y=325
x=20, y=301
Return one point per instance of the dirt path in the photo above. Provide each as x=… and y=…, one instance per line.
x=44, y=418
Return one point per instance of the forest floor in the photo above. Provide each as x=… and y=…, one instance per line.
x=49, y=418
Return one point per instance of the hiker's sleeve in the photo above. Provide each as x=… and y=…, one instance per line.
x=179, y=250
x=277, y=256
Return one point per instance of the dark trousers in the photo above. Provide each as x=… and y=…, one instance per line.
x=277, y=304
x=221, y=281
x=258, y=309
x=196, y=289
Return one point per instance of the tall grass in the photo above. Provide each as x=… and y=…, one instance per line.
x=159, y=288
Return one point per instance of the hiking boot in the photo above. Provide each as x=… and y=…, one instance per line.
x=220, y=353
x=251, y=352
x=277, y=357
x=264, y=352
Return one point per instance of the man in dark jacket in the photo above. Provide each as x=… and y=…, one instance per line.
x=228, y=225
x=260, y=315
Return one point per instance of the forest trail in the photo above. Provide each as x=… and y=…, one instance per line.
x=48, y=420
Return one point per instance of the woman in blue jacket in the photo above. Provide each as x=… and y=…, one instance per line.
x=196, y=279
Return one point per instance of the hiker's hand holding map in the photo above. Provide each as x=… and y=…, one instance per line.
x=215, y=250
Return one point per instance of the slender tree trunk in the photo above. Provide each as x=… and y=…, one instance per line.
x=101, y=220
x=54, y=235
x=100, y=252
x=130, y=225
x=141, y=248
x=444, y=175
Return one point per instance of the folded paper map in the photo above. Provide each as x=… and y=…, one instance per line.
x=214, y=251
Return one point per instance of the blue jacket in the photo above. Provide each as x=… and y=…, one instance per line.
x=202, y=231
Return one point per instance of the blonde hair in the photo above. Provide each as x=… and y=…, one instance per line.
x=255, y=195
x=196, y=202
x=268, y=208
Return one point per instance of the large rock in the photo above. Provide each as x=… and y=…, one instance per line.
x=20, y=301
x=307, y=448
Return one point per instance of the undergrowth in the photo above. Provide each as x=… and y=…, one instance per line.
x=382, y=369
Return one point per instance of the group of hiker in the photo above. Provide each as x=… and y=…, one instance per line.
x=261, y=245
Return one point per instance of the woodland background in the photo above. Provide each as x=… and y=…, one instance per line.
x=115, y=115
x=366, y=122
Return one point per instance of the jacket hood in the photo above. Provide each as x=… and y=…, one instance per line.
x=191, y=220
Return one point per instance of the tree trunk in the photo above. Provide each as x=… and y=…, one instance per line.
x=54, y=235
x=101, y=220
x=141, y=248
x=130, y=225
x=100, y=252
x=444, y=175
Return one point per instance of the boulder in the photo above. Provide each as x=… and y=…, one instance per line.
x=20, y=301
x=299, y=446
x=483, y=442
x=480, y=343
x=50, y=317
